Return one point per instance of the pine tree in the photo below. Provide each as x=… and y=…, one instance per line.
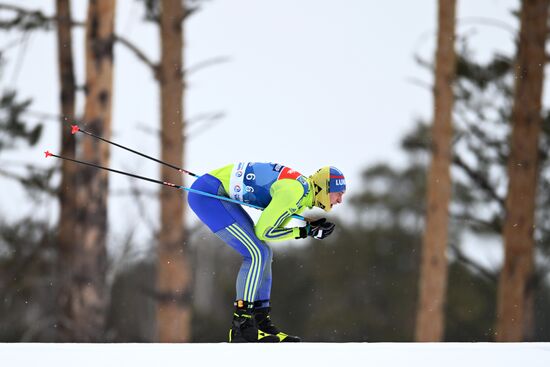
x=433, y=274
x=84, y=298
x=173, y=282
x=66, y=237
x=515, y=293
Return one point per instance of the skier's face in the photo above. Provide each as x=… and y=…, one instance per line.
x=336, y=198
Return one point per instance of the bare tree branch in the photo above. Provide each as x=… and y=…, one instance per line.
x=190, y=11
x=208, y=120
x=118, y=38
x=462, y=258
x=493, y=226
x=206, y=63
x=35, y=181
x=24, y=11
x=208, y=116
x=36, y=15
x=139, y=54
x=420, y=83
x=144, y=214
x=489, y=22
x=43, y=115
x=480, y=180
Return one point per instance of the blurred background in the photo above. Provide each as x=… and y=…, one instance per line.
x=434, y=110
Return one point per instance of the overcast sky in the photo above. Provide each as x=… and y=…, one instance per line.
x=308, y=83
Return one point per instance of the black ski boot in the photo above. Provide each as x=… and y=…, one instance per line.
x=244, y=329
x=266, y=325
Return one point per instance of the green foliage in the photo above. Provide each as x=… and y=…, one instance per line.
x=354, y=281
x=471, y=306
x=12, y=127
x=483, y=76
x=132, y=310
x=391, y=197
x=27, y=253
x=484, y=99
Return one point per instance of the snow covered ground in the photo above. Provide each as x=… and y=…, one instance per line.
x=287, y=355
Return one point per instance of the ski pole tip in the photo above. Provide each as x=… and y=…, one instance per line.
x=74, y=129
x=47, y=154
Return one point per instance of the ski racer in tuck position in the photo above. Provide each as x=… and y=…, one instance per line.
x=282, y=192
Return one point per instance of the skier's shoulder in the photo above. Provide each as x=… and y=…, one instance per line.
x=290, y=188
x=222, y=171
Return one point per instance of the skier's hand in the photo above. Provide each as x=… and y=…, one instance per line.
x=318, y=229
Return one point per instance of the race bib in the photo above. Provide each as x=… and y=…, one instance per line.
x=236, y=182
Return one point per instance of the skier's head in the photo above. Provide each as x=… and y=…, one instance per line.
x=329, y=186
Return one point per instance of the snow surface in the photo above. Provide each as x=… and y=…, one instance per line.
x=265, y=355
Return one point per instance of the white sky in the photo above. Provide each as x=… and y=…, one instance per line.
x=309, y=83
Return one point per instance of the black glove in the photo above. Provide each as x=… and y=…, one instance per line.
x=318, y=229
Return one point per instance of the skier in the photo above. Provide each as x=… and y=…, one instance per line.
x=282, y=192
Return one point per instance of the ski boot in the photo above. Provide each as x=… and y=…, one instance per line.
x=244, y=329
x=263, y=320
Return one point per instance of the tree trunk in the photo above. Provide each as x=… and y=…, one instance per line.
x=173, y=283
x=433, y=271
x=84, y=298
x=67, y=198
x=515, y=301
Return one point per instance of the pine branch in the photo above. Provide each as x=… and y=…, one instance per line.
x=494, y=226
x=462, y=258
x=480, y=180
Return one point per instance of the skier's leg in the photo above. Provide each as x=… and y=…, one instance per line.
x=262, y=307
x=255, y=257
x=264, y=292
x=230, y=222
x=258, y=258
x=234, y=226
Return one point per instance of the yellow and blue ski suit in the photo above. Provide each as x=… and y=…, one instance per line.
x=277, y=188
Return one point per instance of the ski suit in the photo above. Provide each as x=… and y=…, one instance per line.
x=279, y=189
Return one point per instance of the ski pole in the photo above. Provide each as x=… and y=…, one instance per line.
x=75, y=129
x=49, y=154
